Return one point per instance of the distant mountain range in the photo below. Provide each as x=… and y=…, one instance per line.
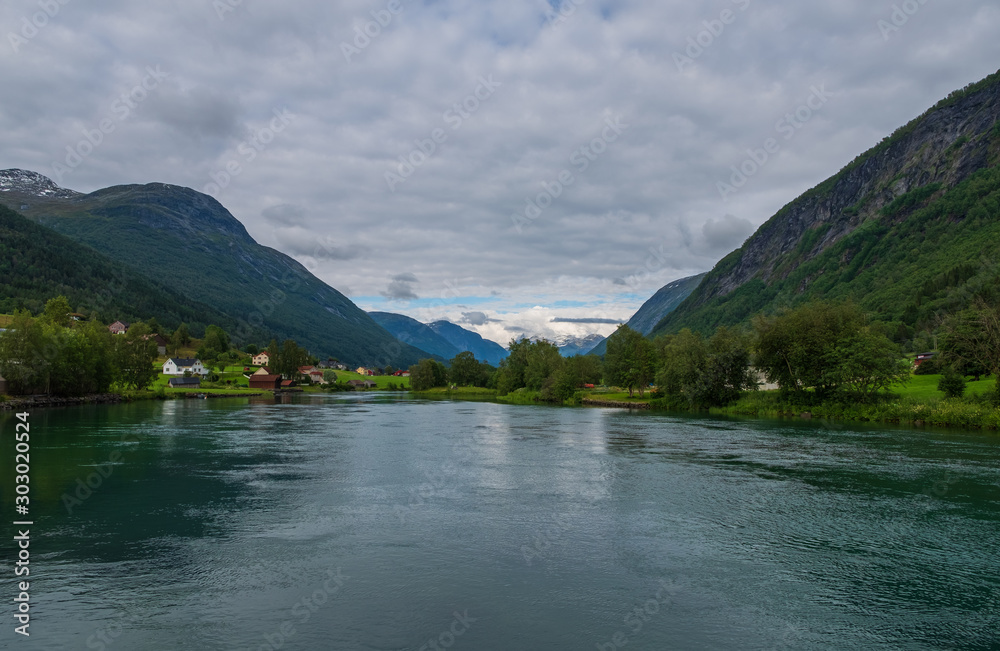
x=573, y=346
x=909, y=230
x=441, y=338
x=178, y=238
x=662, y=303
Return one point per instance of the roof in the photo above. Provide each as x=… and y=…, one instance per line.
x=184, y=380
x=265, y=378
x=183, y=361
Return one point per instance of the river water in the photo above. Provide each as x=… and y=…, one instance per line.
x=381, y=522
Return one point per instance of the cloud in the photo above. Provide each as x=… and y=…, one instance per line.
x=400, y=289
x=477, y=318
x=726, y=233
x=285, y=214
x=587, y=321
x=642, y=211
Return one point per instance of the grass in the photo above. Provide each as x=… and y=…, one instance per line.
x=924, y=387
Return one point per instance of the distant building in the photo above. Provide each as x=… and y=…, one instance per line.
x=161, y=343
x=118, y=328
x=261, y=359
x=288, y=384
x=263, y=370
x=184, y=382
x=361, y=370
x=921, y=358
x=268, y=382
x=362, y=384
x=180, y=366
x=402, y=374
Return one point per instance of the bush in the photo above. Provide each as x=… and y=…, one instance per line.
x=952, y=384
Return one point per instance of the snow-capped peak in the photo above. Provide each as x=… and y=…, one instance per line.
x=32, y=183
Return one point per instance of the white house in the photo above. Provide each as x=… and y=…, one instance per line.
x=178, y=366
x=261, y=359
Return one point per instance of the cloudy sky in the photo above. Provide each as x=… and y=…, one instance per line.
x=500, y=164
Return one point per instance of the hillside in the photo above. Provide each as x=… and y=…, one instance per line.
x=189, y=240
x=37, y=263
x=662, y=303
x=411, y=331
x=484, y=349
x=908, y=230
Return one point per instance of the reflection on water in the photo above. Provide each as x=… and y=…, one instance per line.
x=381, y=522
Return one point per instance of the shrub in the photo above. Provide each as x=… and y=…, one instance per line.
x=952, y=384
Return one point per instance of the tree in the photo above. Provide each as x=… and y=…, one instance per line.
x=510, y=374
x=630, y=360
x=57, y=311
x=971, y=341
x=25, y=354
x=464, y=369
x=705, y=373
x=329, y=376
x=544, y=359
x=154, y=326
x=793, y=347
x=428, y=374
x=214, y=344
x=251, y=349
x=952, y=383
x=289, y=359
x=864, y=363
x=180, y=338
x=134, y=355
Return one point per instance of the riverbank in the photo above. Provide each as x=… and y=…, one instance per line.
x=34, y=402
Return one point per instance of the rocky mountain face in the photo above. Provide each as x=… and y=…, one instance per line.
x=573, y=346
x=190, y=242
x=941, y=153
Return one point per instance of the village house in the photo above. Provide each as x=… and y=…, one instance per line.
x=265, y=381
x=361, y=370
x=261, y=359
x=184, y=382
x=363, y=384
x=161, y=343
x=402, y=374
x=118, y=328
x=263, y=370
x=180, y=366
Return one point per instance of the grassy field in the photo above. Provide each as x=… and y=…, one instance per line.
x=925, y=387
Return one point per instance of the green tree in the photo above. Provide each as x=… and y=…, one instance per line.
x=543, y=361
x=134, y=355
x=794, y=348
x=214, y=344
x=57, y=312
x=952, y=383
x=465, y=370
x=289, y=360
x=510, y=374
x=864, y=363
x=630, y=360
x=25, y=354
x=428, y=374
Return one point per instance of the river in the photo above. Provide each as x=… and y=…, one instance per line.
x=382, y=522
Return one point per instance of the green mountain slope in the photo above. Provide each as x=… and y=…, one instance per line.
x=411, y=331
x=37, y=264
x=909, y=230
x=190, y=241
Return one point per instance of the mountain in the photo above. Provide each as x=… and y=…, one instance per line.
x=189, y=241
x=484, y=349
x=909, y=230
x=411, y=331
x=573, y=346
x=37, y=263
x=662, y=303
